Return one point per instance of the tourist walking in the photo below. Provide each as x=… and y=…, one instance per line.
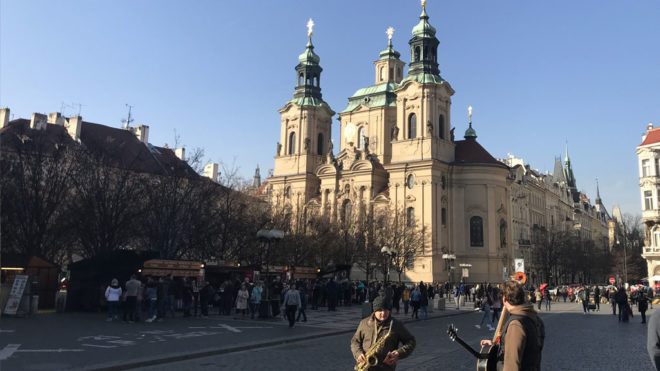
x=642, y=305
x=539, y=298
x=112, y=294
x=242, y=300
x=255, y=300
x=423, y=301
x=291, y=304
x=597, y=297
x=414, y=301
x=405, y=298
x=621, y=299
x=303, y=304
x=486, y=304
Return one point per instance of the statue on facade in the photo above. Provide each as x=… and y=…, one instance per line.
x=366, y=145
x=429, y=126
x=307, y=143
x=279, y=149
x=451, y=133
x=395, y=132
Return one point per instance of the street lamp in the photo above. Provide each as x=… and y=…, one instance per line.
x=391, y=253
x=448, y=259
x=268, y=236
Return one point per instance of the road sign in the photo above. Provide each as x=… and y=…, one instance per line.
x=612, y=280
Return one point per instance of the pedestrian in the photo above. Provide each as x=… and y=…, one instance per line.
x=291, y=303
x=242, y=300
x=611, y=295
x=523, y=335
x=642, y=305
x=597, y=297
x=539, y=298
x=621, y=299
x=331, y=293
x=584, y=297
x=151, y=294
x=405, y=298
x=206, y=296
x=653, y=339
x=423, y=301
x=303, y=303
x=649, y=295
x=548, y=299
x=255, y=300
x=396, y=298
x=186, y=297
x=275, y=293
x=376, y=327
x=112, y=295
x=139, y=301
x=414, y=301
x=564, y=292
x=497, y=305
x=132, y=287
x=486, y=304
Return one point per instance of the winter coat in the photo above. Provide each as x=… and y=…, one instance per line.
x=242, y=298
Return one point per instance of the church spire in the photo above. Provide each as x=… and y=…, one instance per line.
x=308, y=73
x=256, y=179
x=423, y=47
x=598, y=200
x=470, y=133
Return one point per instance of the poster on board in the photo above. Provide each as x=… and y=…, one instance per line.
x=16, y=294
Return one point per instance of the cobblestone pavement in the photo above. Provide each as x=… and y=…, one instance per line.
x=574, y=341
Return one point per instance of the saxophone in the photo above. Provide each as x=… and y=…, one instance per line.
x=370, y=355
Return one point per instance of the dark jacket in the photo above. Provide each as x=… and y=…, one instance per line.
x=365, y=337
x=521, y=343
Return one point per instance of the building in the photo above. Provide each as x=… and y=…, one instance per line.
x=648, y=153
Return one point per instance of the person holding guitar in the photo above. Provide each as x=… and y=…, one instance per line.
x=521, y=342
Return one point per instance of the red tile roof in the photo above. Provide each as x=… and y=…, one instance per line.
x=652, y=137
x=470, y=152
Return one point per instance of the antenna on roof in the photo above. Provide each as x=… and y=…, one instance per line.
x=80, y=106
x=127, y=121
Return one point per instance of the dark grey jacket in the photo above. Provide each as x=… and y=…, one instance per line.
x=365, y=337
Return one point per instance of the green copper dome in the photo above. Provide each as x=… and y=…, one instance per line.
x=389, y=53
x=470, y=133
x=308, y=56
x=423, y=28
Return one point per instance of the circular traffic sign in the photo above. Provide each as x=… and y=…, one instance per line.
x=612, y=280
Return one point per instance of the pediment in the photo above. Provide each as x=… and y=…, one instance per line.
x=361, y=165
x=381, y=199
x=326, y=169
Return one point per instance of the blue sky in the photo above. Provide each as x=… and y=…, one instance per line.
x=538, y=74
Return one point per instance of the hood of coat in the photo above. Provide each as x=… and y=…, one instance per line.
x=526, y=310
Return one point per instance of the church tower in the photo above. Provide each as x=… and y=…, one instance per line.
x=570, y=178
x=305, y=134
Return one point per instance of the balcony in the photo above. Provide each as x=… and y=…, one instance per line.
x=651, y=250
x=524, y=243
x=651, y=214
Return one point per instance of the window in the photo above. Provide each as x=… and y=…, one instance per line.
x=319, y=144
x=411, y=181
x=410, y=217
x=346, y=211
x=443, y=216
x=391, y=76
x=399, y=73
x=476, y=231
x=657, y=167
x=361, y=137
x=382, y=73
x=416, y=54
x=656, y=238
x=441, y=127
x=292, y=143
x=502, y=233
x=412, y=126
x=300, y=79
x=443, y=182
x=646, y=169
x=648, y=200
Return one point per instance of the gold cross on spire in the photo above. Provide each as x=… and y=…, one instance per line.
x=389, y=33
x=470, y=112
x=423, y=3
x=310, y=25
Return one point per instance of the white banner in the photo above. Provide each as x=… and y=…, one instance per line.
x=16, y=294
x=519, y=265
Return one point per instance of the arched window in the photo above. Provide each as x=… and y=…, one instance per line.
x=410, y=217
x=361, y=137
x=443, y=216
x=412, y=126
x=502, y=233
x=292, y=143
x=382, y=73
x=426, y=53
x=441, y=127
x=417, y=54
x=346, y=211
x=301, y=78
x=399, y=73
x=319, y=144
x=476, y=231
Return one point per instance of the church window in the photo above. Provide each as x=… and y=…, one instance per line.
x=399, y=73
x=319, y=144
x=411, y=181
x=382, y=73
x=476, y=231
x=656, y=238
x=410, y=217
x=426, y=53
x=346, y=211
x=648, y=200
x=391, y=76
x=287, y=192
x=412, y=126
x=417, y=54
x=443, y=182
x=292, y=143
x=443, y=216
x=301, y=78
x=646, y=168
x=441, y=126
x=361, y=137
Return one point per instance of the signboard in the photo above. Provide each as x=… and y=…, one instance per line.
x=466, y=272
x=519, y=265
x=505, y=276
x=612, y=280
x=172, y=264
x=16, y=294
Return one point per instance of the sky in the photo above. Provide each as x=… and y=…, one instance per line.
x=540, y=75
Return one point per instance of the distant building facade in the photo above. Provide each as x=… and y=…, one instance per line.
x=648, y=154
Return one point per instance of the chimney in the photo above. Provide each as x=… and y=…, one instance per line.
x=4, y=117
x=56, y=118
x=73, y=126
x=180, y=153
x=38, y=121
x=211, y=171
x=649, y=127
x=141, y=132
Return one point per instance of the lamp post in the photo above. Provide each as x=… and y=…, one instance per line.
x=391, y=253
x=448, y=259
x=268, y=236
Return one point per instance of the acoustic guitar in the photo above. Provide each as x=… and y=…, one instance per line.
x=487, y=357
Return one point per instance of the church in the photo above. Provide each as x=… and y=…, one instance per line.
x=398, y=150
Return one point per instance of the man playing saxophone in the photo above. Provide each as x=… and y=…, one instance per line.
x=375, y=345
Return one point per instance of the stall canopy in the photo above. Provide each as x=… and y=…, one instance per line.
x=176, y=268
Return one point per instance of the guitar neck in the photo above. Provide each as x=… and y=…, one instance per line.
x=500, y=324
x=467, y=347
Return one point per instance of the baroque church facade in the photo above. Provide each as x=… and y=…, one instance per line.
x=397, y=151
